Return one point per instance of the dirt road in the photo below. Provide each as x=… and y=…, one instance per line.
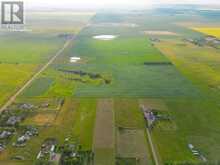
x=156, y=161
x=12, y=98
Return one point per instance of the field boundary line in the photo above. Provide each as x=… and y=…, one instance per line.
x=44, y=67
x=153, y=150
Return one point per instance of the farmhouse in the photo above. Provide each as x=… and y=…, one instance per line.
x=26, y=106
x=13, y=120
x=149, y=116
x=29, y=132
x=2, y=147
x=45, y=105
x=22, y=139
x=5, y=134
x=152, y=115
x=47, y=149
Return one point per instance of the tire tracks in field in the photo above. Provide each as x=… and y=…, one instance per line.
x=44, y=67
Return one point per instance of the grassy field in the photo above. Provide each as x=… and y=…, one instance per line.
x=21, y=55
x=103, y=92
x=39, y=87
x=24, y=53
x=131, y=139
x=131, y=143
x=116, y=59
x=200, y=65
x=104, y=134
x=202, y=70
x=85, y=121
x=191, y=129
x=46, y=22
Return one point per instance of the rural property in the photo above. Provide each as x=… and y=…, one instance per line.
x=112, y=87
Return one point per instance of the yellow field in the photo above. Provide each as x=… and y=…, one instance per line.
x=210, y=31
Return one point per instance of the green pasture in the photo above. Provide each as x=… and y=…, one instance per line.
x=122, y=61
x=38, y=87
x=194, y=121
x=199, y=126
x=21, y=56
x=186, y=87
x=28, y=48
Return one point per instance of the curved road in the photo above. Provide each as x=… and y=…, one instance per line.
x=12, y=98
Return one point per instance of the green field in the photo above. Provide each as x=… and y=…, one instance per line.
x=39, y=87
x=115, y=60
x=21, y=56
x=97, y=101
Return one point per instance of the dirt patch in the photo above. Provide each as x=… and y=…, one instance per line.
x=168, y=33
x=42, y=119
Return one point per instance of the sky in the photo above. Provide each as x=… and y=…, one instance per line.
x=109, y=3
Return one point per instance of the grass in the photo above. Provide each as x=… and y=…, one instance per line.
x=126, y=161
x=38, y=87
x=157, y=104
x=21, y=55
x=28, y=48
x=202, y=70
x=128, y=114
x=188, y=90
x=131, y=136
x=116, y=60
x=199, y=64
x=192, y=128
x=104, y=156
x=84, y=122
x=46, y=22
x=132, y=144
x=104, y=133
x=12, y=77
x=120, y=57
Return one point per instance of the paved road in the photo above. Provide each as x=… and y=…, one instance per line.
x=156, y=161
x=12, y=98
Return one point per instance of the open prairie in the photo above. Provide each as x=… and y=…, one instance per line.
x=94, y=100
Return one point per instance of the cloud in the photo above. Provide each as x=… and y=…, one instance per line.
x=110, y=3
x=187, y=1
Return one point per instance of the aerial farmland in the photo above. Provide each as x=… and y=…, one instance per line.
x=131, y=87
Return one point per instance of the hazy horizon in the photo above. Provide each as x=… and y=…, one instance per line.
x=109, y=3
